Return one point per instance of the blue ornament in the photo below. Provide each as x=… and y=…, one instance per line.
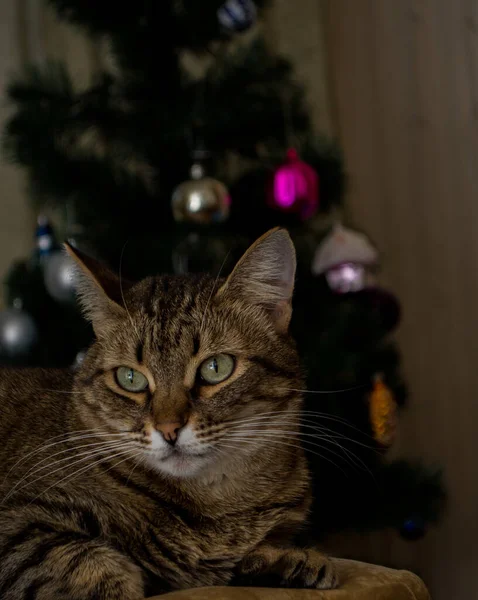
x=45, y=239
x=237, y=15
x=413, y=528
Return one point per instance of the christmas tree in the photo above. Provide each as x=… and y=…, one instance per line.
x=158, y=167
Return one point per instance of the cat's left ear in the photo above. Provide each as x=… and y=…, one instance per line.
x=265, y=276
x=101, y=292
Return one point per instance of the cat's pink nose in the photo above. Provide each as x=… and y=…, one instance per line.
x=169, y=431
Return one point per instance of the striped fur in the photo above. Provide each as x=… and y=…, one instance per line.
x=92, y=506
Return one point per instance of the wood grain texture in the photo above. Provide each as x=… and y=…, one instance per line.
x=404, y=75
x=294, y=30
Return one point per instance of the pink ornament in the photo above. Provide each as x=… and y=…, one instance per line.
x=294, y=187
x=347, y=258
x=347, y=277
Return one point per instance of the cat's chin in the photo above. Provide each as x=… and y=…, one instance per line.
x=180, y=464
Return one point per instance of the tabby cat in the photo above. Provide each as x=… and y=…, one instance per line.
x=171, y=458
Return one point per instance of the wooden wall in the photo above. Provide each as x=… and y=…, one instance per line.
x=294, y=29
x=404, y=89
x=16, y=222
x=30, y=32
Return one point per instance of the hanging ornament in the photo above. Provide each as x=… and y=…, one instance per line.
x=294, y=187
x=79, y=358
x=60, y=276
x=237, y=15
x=201, y=200
x=413, y=528
x=45, y=240
x=347, y=259
x=383, y=413
x=18, y=332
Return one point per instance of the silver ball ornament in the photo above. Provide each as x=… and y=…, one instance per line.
x=201, y=200
x=18, y=332
x=60, y=276
x=79, y=358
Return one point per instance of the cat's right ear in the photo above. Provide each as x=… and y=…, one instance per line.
x=265, y=275
x=100, y=292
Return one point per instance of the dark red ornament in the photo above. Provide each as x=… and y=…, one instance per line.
x=294, y=187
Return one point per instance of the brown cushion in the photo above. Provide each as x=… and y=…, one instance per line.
x=359, y=581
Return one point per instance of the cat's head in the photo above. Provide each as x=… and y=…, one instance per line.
x=191, y=371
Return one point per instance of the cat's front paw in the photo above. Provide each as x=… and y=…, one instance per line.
x=290, y=568
x=307, y=569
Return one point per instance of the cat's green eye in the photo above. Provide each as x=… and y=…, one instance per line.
x=131, y=380
x=217, y=368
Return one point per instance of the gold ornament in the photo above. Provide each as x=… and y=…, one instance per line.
x=383, y=413
x=202, y=200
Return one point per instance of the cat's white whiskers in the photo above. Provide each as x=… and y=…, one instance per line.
x=66, y=439
x=73, y=449
x=349, y=455
x=286, y=444
x=139, y=453
x=303, y=425
x=337, y=391
x=332, y=436
x=88, y=467
x=280, y=435
x=291, y=412
x=330, y=417
x=142, y=458
x=236, y=448
x=230, y=445
x=86, y=455
x=335, y=420
x=262, y=426
x=306, y=422
x=23, y=482
x=220, y=451
x=302, y=414
x=341, y=436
